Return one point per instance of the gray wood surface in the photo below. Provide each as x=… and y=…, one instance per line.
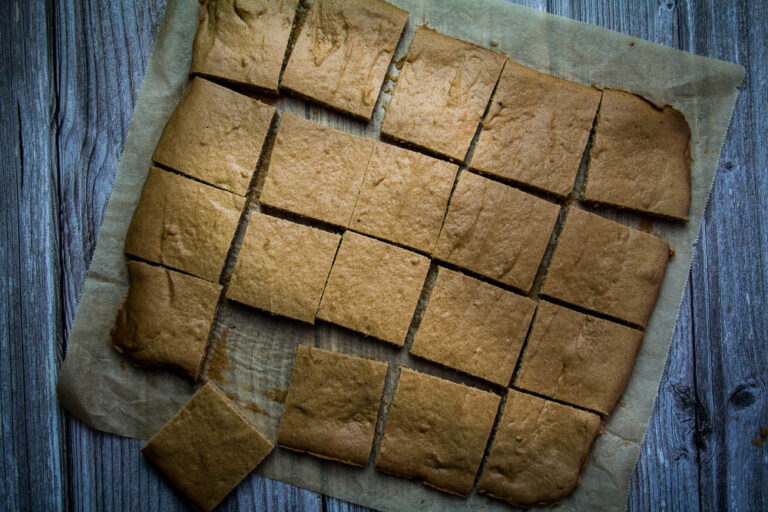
x=67, y=91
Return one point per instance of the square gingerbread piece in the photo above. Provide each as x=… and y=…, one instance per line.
x=496, y=231
x=536, y=129
x=538, y=451
x=441, y=93
x=165, y=318
x=606, y=267
x=243, y=41
x=315, y=171
x=183, y=224
x=578, y=358
x=215, y=135
x=404, y=197
x=343, y=52
x=282, y=267
x=332, y=406
x=436, y=432
x=373, y=288
x=207, y=448
x=640, y=159
x=474, y=327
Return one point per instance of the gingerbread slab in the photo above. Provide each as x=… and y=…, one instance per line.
x=207, y=448
x=536, y=129
x=332, y=405
x=243, y=41
x=436, y=432
x=373, y=288
x=183, y=224
x=442, y=93
x=496, y=231
x=404, y=197
x=473, y=326
x=606, y=267
x=343, y=52
x=215, y=135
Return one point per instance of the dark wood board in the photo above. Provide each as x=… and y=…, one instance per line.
x=67, y=91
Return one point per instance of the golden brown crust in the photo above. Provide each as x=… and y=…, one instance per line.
x=495, y=230
x=536, y=129
x=315, y=171
x=243, y=40
x=640, y=158
x=215, y=135
x=538, y=451
x=282, y=267
x=441, y=93
x=606, y=267
x=373, y=288
x=403, y=197
x=343, y=52
x=183, y=224
x=473, y=326
x=332, y=405
x=578, y=358
x=207, y=448
x=165, y=318
x=436, y=432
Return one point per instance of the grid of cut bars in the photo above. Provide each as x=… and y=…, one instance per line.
x=540, y=299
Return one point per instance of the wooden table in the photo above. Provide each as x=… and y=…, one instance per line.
x=67, y=92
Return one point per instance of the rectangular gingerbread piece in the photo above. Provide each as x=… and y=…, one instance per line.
x=536, y=129
x=165, y=318
x=404, y=197
x=441, y=93
x=207, y=448
x=538, y=451
x=183, y=224
x=343, y=52
x=243, y=41
x=315, y=171
x=373, y=288
x=496, y=231
x=578, y=358
x=606, y=267
x=473, y=326
x=640, y=159
x=282, y=267
x=215, y=135
x=332, y=405
x=436, y=432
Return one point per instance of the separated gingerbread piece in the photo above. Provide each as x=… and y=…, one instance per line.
x=183, y=224
x=404, y=197
x=473, y=326
x=332, y=406
x=441, y=93
x=207, y=448
x=537, y=451
x=165, y=318
x=343, y=52
x=536, y=129
x=496, y=231
x=243, y=40
x=578, y=358
x=282, y=267
x=315, y=171
x=640, y=158
x=215, y=135
x=373, y=288
x=606, y=267
x=436, y=432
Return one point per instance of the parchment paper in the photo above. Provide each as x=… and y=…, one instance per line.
x=252, y=353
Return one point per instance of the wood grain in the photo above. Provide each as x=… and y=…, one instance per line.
x=72, y=70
